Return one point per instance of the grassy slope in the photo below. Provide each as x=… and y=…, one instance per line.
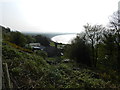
x=28, y=70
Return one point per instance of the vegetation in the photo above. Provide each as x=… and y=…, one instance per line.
x=91, y=61
x=79, y=51
x=103, y=49
x=42, y=40
x=28, y=70
x=18, y=38
x=21, y=39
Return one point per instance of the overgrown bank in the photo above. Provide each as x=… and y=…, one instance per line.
x=28, y=70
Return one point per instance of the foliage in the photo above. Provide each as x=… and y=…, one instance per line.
x=52, y=43
x=93, y=35
x=5, y=33
x=17, y=47
x=115, y=24
x=108, y=51
x=42, y=40
x=29, y=39
x=98, y=47
x=18, y=38
x=41, y=53
x=28, y=70
x=21, y=39
x=79, y=51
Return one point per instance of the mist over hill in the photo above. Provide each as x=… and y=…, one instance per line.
x=49, y=35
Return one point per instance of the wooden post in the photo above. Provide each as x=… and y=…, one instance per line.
x=6, y=77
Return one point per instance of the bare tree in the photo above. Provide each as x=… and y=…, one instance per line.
x=115, y=20
x=93, y=35
x=115, y=25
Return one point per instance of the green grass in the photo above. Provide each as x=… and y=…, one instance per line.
x=52, y=43
x=60, y=45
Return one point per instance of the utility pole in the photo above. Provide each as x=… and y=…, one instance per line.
x=0, y=58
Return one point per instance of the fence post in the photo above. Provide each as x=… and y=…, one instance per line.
x=7, y=81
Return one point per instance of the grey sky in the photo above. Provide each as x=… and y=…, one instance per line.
x=55, y=15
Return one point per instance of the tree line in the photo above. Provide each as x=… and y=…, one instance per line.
x=21, y=39
x=98, y=46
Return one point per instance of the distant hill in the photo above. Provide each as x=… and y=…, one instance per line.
x=49, y=35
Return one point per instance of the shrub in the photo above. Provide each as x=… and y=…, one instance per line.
x=41, y=53
x=78, y=51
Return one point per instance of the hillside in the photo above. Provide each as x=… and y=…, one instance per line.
x=79, y=65
x=29, y=70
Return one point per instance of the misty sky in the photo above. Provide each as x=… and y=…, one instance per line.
x=55, y=15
